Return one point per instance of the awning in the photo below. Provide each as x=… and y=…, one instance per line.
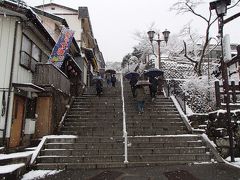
x=74, y=64
x=29, y=87
x=91, y=57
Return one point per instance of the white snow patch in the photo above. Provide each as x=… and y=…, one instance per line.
x=15, y=155
x=39, y=174
x=31, y=148
x=60, y=136
x=10, y=168
x=236, y=163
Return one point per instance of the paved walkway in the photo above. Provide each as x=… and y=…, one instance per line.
x=213, y=171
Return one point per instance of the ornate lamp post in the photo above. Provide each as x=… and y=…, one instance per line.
x=165, y=35
x=221, y=9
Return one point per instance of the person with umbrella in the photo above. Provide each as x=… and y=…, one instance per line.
x=108, y=78
x=140, y=95
x=99, y=87
x=133, y=82
x=154, y=72
x=153, y=87
x=133, y=77
x=113, y=80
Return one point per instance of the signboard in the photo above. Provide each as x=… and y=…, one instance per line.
x=61, y=47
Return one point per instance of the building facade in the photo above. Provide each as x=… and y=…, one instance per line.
x=79, y=21
x=24, y=43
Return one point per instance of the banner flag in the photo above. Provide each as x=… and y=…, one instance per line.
x=61, y=47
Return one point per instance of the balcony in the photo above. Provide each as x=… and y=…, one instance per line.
x=48, y=74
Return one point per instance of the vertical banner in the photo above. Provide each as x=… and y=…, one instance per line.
x=61, y=47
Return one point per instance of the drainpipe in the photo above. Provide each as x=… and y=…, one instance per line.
x=10, y=83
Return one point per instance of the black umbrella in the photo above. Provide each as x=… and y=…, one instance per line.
x=111, y=71
x=130, y=75
x=153, y=72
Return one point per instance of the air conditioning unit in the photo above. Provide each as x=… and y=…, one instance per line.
x=29, y=126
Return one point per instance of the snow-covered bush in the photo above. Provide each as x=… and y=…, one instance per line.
x=200, y=93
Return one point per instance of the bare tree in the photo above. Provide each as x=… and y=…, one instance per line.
x=189, y=6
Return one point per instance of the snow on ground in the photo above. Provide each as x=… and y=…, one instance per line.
x=10, y=168
x=15, y=155
x=236, y=163
x=43, y=173
x=38, y=174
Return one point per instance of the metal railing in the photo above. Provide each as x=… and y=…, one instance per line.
x=172, y=87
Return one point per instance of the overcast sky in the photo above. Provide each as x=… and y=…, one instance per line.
x=114, y=22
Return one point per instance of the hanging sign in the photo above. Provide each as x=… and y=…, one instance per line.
x=61, y=47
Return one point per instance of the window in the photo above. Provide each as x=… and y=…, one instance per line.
x=31, y=108
x=25, y=60
x=26, y=45
x=36, y=53
x=30, y=54
x=44, y=58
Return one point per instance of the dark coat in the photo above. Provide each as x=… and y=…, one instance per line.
x=133, y=81
x=154, y=84
x=99, y=86
x=113, y=79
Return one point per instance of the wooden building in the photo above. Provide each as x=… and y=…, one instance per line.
x=33, y=92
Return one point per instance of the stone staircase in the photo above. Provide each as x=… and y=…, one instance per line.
x=158, y=136
x=97, y=124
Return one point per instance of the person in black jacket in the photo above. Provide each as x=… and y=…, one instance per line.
x=153, y=87
x=113, y=80
x=99, y=87
x=133, y=82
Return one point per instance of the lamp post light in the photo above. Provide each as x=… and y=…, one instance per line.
x=221, y=9
x=165, y=35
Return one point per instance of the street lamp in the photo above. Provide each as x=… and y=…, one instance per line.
x=165, y=35
x=221, y=9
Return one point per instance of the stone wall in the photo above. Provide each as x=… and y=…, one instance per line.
x=215, y=126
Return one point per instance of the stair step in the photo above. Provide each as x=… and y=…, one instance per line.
x=81, y=152
x=95, y=133
x=81, y=159
x=170, y=157
x=169, y=150
x=80, y=124
x=169, y=138
x=166, y=144
x=71, y=166
x=83, y=145
x=82, y=139
x=92, y=119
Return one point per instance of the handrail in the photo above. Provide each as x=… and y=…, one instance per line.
x=176, y=91
x=38, y=150
x=124, y=124
x=65, y=113
x=183, y=116
x=213, y=149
